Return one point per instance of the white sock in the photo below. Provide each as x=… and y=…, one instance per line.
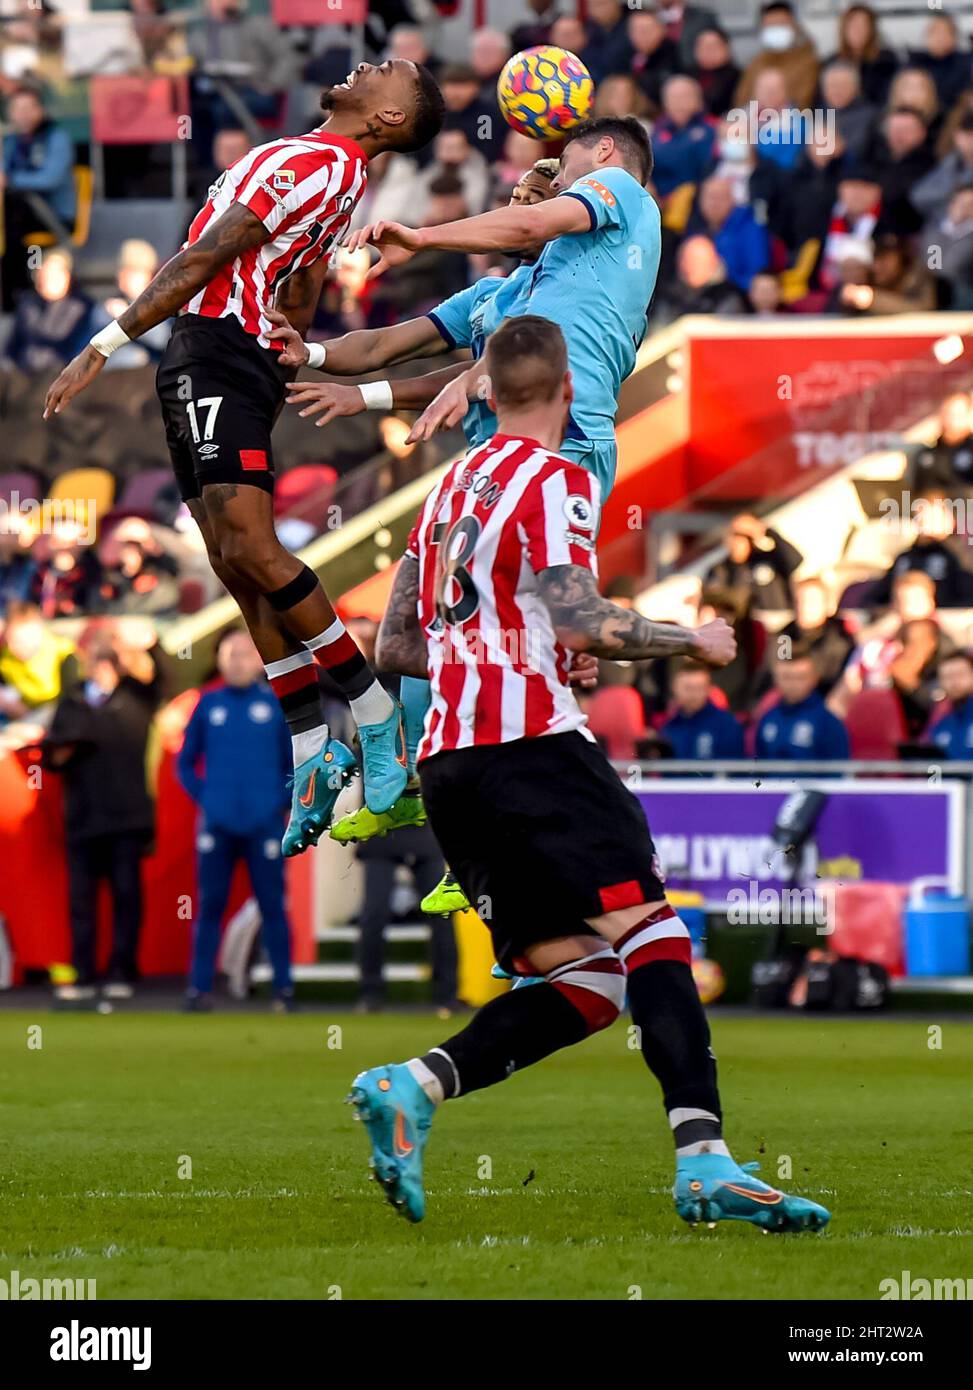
x=308, y=743
x=427, y=1080
x=374, y=707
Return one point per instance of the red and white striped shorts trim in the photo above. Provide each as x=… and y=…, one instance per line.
x=595, y=985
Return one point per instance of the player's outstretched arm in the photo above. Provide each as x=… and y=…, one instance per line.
x=401, y=646
x=502, y=229
x=236, y=231
x=586, y=622
x=358, y=353
x=330, y=399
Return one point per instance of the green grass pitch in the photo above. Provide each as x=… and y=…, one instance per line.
x=553, y=1185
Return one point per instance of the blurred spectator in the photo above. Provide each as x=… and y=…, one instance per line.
x=739, y=680
x=800, y=727
x=37, y=665
x=52, y=321
x=163, y=42
x=757, y=182
x=699, y=729
x=453, y=154
x=18, y=567
x=684, y=23
x=781, y=129
x=899, y=284
x=570, y=33
x=854, y=219
x=235, y=763
x=654, y=56
x=244, y=66
x=467, y=111
x=900, y=651
x=620, y=95
x=948, y=65
x=764, y=295
x=949, y=249
x=901, y=155
x=742, y=243
x=489, y=51
x=608, y=49
x=138, y=262
x=758, y=562
x=713, y=68
x=935, y=552
x=229, y=144
x=700, y=285
x=860, y=42
x=932, y=195
x=430, y=276
x=953, y=734
x=139, y=576
x=537, y=29
x=817, y=629
x=68, y=575
x=784, y=45
x=684, y=137
x=915, y=89
x=407, y=43
x=841, y=93
x=804, y=208
x=947, y=464
x=38, y=159
x=98, y=741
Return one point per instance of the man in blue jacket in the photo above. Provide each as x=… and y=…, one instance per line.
x=239, y=734
x=800, y=728
x=38, y=159
x=699, y=729
x=953, y=735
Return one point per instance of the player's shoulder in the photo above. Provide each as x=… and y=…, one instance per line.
x=617, y=188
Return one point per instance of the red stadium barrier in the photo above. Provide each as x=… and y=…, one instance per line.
x=33, y=876
x=135, y=110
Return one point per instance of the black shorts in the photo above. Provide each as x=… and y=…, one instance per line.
x=220, y=393
x=541, y=834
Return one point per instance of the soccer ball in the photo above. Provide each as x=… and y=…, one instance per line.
x=544, y=92
x=710, y=980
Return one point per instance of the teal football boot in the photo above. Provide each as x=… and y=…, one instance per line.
x=317, y=784
x=384, y=761
x=713, y=1187
x=398, y=1115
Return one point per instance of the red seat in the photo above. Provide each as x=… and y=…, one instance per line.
x=137, y=110
x=876, y=725
x=768, y=702
x=306, y=493
x=615, y=716
x=314, y=13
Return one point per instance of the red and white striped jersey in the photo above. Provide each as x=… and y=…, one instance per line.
x=508, y=510
x=304, y=189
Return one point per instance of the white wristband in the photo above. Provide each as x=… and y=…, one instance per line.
x=109, y=340
x=377, y=395
x=316, y=353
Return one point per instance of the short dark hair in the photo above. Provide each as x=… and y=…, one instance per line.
x=628, y=133
x=689, y=666
x=428, y=117
x=526, y=361
x=446, y=184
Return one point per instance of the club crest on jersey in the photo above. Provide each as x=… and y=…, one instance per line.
x=283, y=180
x=579, y=512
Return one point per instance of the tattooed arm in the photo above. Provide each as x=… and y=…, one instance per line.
x=586, y=622
x=236, y=231
x=401, y=646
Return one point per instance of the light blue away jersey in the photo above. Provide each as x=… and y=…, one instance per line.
x=461, y=318
x=596, y=285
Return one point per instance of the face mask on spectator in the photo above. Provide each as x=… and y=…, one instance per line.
x=777, y=37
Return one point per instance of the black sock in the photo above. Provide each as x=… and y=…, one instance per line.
x=675, y=1041
x=513, y=1031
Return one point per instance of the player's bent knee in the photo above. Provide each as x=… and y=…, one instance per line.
x=595, y=985
x=257, y=565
